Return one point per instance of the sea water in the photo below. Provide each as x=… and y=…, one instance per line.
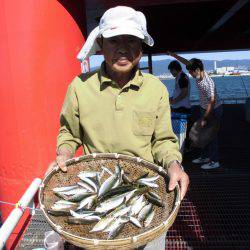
x=227, y=87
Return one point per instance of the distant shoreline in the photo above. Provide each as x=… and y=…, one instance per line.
x=211, y=75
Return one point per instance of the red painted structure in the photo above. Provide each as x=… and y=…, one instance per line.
x=38, y=47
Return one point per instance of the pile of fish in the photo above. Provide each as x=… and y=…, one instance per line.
x=111, y=202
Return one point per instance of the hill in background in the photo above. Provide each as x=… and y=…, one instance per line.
x=161, y=66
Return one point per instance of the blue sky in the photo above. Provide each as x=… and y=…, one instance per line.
x=231, y=55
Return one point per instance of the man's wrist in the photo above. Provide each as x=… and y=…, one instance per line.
x=64, y=152
x=177, y=163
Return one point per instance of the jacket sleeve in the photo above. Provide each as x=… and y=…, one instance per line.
x=69, y=136
x=165, y=146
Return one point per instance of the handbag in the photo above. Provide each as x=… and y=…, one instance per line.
x=202, y=136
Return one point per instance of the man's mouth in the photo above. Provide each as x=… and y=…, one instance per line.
x=122, y=61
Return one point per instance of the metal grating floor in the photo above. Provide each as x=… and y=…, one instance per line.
x=214, y=215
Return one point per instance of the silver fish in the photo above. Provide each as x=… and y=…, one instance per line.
x=133, y=200
x=135, y=221
x=122, y=212
x=116, y=210
x=118, y=169
x=62, y=189
x=62, y=195
x=148, y=183
x=155, y=195
x=144, y=212
x=150, y=179
x=137, y=205
x=85, y=211
x=82, y=215
x=116, y=227
x=107, y=184
x=102, y=224
x=113, y=233
x=112, y=204
x=91, y=202
x=118, y=182
x=126, y=196
x=86, y=186
x=64, y=202
x=86, y=220
x=149, y=218
x=86, y=201
x=93, y=217
x=60, y=210
x=107, y=170
x=98, y=179
x=88, y=174
x=89, y=181
x=154, y=200
x=78, y=197
x=78, y=190
x=139, y=208
x=59, y=213
x=125, y=178
x=118, y=172
x=115, y=223
x=62, y=207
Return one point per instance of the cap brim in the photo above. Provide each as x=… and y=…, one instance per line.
x=128, y=31
x=122, y=31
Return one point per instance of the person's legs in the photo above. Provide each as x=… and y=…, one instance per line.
x=205, y=152
x=187, y=113
x=213, y=150
x=212, y=147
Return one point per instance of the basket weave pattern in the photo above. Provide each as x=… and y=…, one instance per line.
x=131, y=236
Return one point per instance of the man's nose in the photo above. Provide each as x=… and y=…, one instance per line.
x=122, y=48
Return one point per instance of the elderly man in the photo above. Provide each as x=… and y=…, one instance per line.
x=117, y=108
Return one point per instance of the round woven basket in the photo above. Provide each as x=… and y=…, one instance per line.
x=130, y=237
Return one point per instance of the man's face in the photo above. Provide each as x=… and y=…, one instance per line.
x=195, y=73
x=122, y=53
x=174, y=72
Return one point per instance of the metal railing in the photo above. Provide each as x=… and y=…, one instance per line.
x=228, y=100
x=16, y=214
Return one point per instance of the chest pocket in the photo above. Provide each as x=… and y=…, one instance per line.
x=143, y=122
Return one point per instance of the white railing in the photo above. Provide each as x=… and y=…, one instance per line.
x=16, y=214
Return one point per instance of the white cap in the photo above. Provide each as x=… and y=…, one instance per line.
x=120, y=20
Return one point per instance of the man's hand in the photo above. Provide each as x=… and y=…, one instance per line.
x=60, y=160
x=203, y=123
x=176, y=174
x=62, y=157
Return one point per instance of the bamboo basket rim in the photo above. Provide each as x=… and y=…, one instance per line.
x=95, y=242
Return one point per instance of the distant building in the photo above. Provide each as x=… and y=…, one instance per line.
x=215, y=66
x=224, y=70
